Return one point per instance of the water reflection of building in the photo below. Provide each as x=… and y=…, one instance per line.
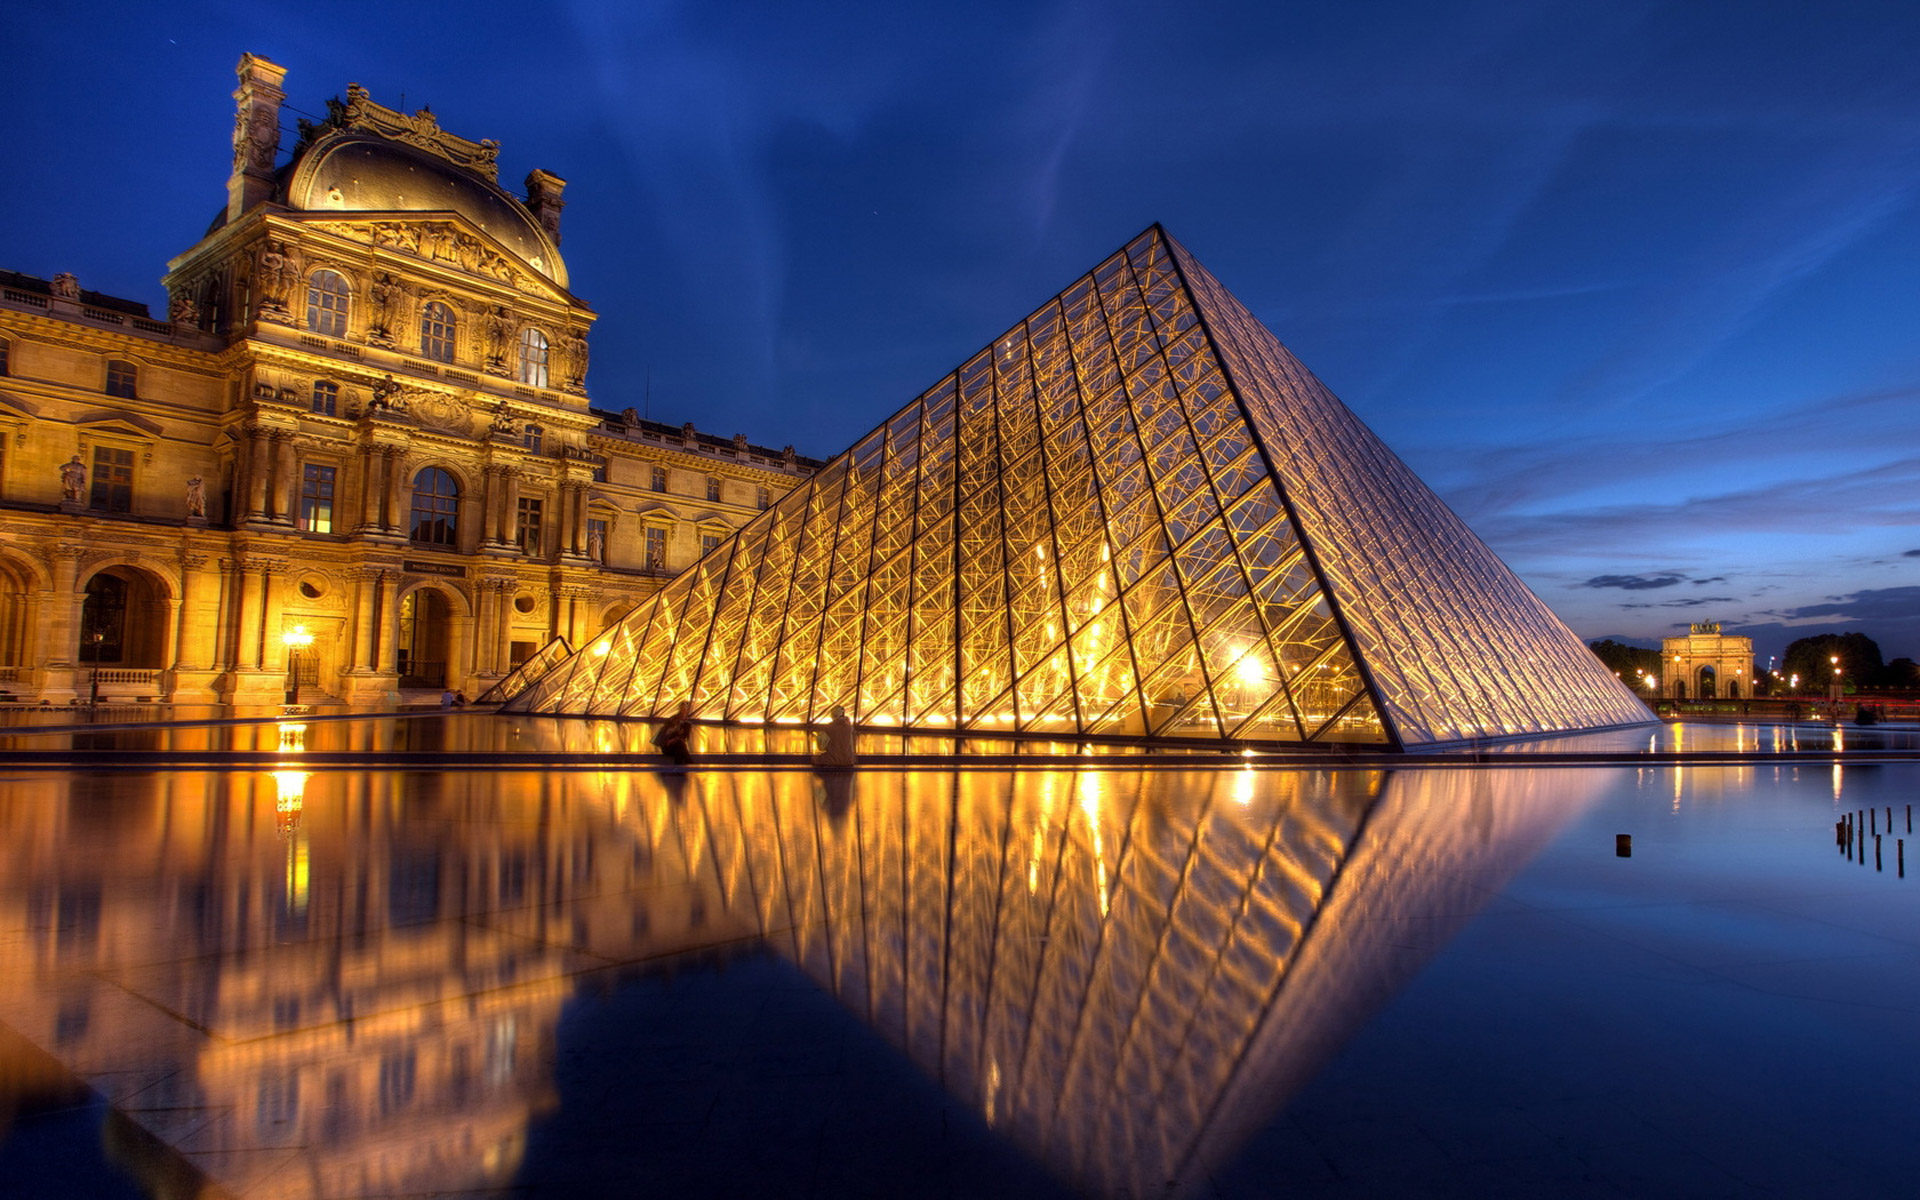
x=306, y=986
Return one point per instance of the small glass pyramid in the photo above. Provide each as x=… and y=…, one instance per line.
x=1135, y=514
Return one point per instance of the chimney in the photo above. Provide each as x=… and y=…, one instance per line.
x=256, y=133
x=543, y=200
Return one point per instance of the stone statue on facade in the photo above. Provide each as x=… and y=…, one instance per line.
x=387, y=396
x=73, y=480
x=183, y=311
x=66, y=286
x=789, y=459
x=273, y=275
x=387, y=293
x=499, y=328
x=740, y=444
x=196, y=497
x=596, y=544
x=687, y=436
x=574, y=348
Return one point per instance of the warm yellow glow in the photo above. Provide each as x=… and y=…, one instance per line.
x=292, y=789
x=293, y=738
x=297, y=638
x=299, y=870
x=601, y=648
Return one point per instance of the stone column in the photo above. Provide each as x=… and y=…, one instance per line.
x=486, y=610
x=253, y=590
x=388, y=657
x=363, y=617
x=390, y=517
x=257, y=439
x=193, y=640
x=62, y=645
x=285, y=486
x=503, y=648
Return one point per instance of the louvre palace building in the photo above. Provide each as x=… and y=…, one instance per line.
x=364, y=421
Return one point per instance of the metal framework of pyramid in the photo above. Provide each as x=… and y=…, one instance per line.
x=1134, y=514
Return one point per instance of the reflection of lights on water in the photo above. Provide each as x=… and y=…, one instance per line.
x=293, y=738
x=1243, y=786
x=1836, y=783
x=993, y=1087
x=1090, y=805
x=291, y=789
x=297, y=872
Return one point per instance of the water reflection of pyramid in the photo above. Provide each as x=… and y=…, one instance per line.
x=1134, y=514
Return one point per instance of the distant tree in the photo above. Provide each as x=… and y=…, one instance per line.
x=1628, y=662
x=1902, y=674
x=1811, y=658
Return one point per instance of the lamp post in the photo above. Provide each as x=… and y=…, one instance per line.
x=1834, y=693
x=98, y=638
x=297, y=640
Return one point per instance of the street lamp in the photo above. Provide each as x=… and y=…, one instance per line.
x=1835, y=694
x=98, y=637
x=297, y=640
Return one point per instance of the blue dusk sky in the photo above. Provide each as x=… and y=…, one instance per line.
x=1632, y=285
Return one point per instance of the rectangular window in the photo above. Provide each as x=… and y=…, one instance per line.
x=528, y=534
x=112, y=480
x=5, y=348
x=596, y=540
x=713, y=487
x=531, y=438
x=122, y=379
x=656, y=548
x=326, y=398
x=709, y=542
x=762, y=499
x=316, y=499
x=600, y=471
x=659, y=479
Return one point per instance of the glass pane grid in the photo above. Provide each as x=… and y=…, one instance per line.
x=1091, y=526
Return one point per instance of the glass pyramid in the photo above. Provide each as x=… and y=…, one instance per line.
x=556, y=651
x=1135, y=514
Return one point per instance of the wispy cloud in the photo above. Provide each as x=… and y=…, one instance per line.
x=1633, y=583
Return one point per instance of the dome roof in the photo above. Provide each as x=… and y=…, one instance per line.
x=364, y=172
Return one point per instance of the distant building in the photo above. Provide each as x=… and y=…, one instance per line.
x=1707, y=664
x=365, y=414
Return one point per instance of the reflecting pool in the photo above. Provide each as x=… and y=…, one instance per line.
x=1095, y=979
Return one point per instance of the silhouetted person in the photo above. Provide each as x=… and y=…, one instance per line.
x=672, y=738
x=836, y=742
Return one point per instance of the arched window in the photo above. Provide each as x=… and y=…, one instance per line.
x=123, y=379
x=327, y=295
x=436, y=332
x=436, y=504
x=533, y=357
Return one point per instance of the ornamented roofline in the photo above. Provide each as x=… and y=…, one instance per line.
x=421, y=130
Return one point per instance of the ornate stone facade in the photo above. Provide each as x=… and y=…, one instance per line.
x=377, y=375
x=1707, y=664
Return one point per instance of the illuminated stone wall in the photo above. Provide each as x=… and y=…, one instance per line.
x=260, y=381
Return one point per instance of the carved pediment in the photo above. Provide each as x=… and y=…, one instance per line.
x=444, y=239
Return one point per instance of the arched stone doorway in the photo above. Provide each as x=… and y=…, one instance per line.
x=1709, y=683
x=1733, y=689
x=1679, y=689
x=123, y=636
x=425, y=643
x=18, y=652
